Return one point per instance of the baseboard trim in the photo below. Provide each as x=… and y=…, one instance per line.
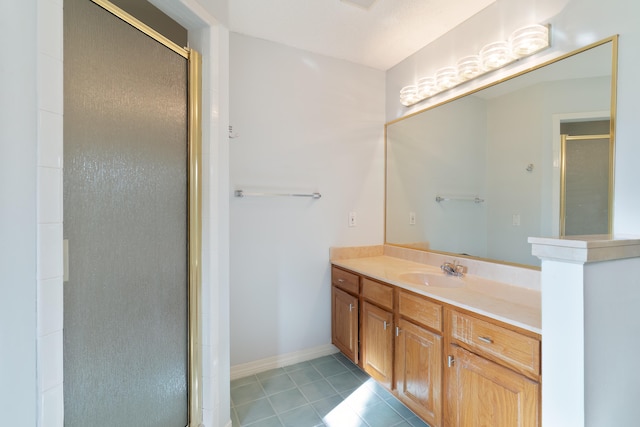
x=246, y=369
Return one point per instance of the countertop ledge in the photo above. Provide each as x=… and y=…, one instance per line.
x=585, y=249
x=513, y=305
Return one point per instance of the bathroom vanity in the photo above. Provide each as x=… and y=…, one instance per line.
x=453, y=349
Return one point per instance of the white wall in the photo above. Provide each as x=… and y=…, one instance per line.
x=522, y=134
x=214, y=8
x=562, y=361
x=589, y=325
x=438, y=154
x=18, y=141
x=611, y=346
x=574, y=23
x=305, y=122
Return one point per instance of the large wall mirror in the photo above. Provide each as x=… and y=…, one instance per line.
x=531, y=155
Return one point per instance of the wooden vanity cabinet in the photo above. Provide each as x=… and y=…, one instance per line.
x=418, y=356
x=484, y=393
x=345, y=312
x=344, y=325
x=453, y=368
x=493, y=375
x=376, y=331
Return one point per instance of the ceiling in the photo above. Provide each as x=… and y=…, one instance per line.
x=379, y=36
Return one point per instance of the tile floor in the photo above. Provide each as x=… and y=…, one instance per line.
x=329, y=391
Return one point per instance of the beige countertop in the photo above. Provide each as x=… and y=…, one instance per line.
x=513, y=305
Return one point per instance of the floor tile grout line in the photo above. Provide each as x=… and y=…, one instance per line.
x=297, y=387
x=383, y=400
x=268, y=396
x=244, y=385
x=313, y=407
x=277, y=414
x=343, y=399
x=337, y=393
x=351, y=369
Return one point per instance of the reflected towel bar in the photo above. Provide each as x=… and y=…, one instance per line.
x=467, y=199
x=242, y=193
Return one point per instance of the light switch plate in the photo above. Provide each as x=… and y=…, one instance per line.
x=353, y=220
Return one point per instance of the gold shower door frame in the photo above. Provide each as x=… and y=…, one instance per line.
x=194, y=333
x=563, y=178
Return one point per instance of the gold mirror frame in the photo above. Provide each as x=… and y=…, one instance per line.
x=613, y=93
x=194, y=345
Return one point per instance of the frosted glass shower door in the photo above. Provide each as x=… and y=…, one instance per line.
x=126, y=220
x=586, y=185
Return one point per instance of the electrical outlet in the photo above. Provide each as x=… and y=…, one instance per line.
x=412, y=218
x=516, y=220
x=353, y=220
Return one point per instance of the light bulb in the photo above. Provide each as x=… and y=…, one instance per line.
x=495, y=55
x=409, y=95
x=530, y=39
x=426, y=87
x=446, y=78
x=469, y=67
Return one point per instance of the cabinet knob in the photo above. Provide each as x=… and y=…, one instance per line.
x=486, y=340
x=340, y=280
x=350, y=307
x=385, y=325
x=397, y=331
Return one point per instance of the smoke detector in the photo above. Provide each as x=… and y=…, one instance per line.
x=365, y=4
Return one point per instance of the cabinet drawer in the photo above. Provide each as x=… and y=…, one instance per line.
x=516, y=350
x=378, y=293
x=420, y=310
x=345, y=280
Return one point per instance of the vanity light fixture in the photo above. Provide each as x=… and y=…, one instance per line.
x=523, y=42
x=409, y=95
x=469, y=67
x=446, y=78
x=426, y=87
x=495, y=55
x=529, y=40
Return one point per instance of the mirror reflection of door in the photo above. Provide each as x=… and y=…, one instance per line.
x=586, y=178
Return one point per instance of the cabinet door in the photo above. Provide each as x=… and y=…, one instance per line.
x=482, y=393
x=344, y=323
x=377, y=343
x=418, y=362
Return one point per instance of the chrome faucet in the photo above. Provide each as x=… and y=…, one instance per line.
x=453, y=269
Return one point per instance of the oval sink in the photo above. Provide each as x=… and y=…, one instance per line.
x=432, y=279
